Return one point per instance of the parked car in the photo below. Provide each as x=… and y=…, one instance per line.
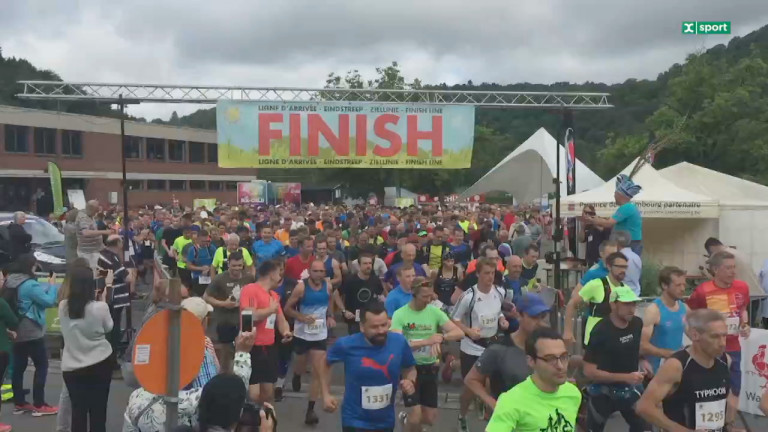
x=47, y=243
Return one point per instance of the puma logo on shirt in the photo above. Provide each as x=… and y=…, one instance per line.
x=371, y=363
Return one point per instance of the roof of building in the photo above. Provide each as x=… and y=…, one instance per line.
x=79, y=122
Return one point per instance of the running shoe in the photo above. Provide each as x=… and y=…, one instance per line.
x=5, y=428
x=278, y=394
x=296, y=383
x=44, y=410
x=21, y=409
x=463, y=426
x=311, y=418
x=403, y=418
x=447, y=372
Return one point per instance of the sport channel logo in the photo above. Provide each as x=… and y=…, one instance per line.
x=706, y=27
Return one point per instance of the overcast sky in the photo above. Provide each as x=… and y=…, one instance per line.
x=298, y=42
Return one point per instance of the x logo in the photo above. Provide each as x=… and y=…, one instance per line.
x=689, y=28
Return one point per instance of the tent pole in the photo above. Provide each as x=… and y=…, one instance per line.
x=557, y=234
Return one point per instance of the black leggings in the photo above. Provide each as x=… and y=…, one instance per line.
x=601, y=407
x=89, y=391
x=5, y=359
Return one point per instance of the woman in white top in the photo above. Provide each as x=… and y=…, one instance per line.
x=87, y=360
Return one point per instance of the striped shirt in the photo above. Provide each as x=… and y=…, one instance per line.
x=120, y=295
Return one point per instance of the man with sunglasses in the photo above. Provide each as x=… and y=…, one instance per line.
x=545, y=401
x=505, y=364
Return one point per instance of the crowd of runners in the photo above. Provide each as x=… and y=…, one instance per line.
x=434, y=294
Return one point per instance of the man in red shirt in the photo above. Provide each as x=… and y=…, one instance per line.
x=265, y=305
x=729, y=296
x=297, y=267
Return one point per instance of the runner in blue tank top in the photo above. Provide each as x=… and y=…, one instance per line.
x=663, y=321
x=332, y=267
x=310, y=307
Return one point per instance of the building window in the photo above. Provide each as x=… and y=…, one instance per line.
x=45, y=141
x=155, y=149
x=157, y=185
x=176, y=150
x=213, y=153
x=71, y=143
x=231, y=186
x=135, y=185
x=16, y=139
x=178, y=185
x=196, y=152
x=132, y=146
x=214, y=185
x=198, y=185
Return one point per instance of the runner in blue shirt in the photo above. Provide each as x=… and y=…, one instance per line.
x=627, y=217
x=376, y=362
x=402, y=294
x=199, y=260
x=266, y=248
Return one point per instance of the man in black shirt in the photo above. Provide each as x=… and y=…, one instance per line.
x=118, y=295
x=358, y=290
x=593, y=236
x=612, y=363
x=170, y=234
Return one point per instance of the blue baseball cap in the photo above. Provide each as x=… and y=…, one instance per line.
x=531, y=304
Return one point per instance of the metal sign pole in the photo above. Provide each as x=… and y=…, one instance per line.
x=174, y=355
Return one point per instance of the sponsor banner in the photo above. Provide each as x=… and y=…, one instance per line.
x=424, y=199
x=657, y=209
x=285, y=193
x=403, y=202
x=208, y=203
x=754, y=371
x=251, y=193
x=344, y=135
x=58, y=198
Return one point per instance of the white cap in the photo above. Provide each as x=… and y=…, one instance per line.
x=197, y=306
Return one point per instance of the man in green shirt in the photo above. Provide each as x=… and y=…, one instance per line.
x=425, y=327
x=221, y=256
x=179, y=252
x=545, y=401
x=595, y=293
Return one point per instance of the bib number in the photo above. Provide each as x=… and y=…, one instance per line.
x=425, y=351
x=733, y=325
x=375, y=398
x=489, y=321
x=270, y=324
x=437, y=303
x=710, y=415
x=316, y=327
x=203, y=280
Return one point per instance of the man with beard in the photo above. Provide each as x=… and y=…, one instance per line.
x=310, y=306
x=376, y=362
x=224, y=295
x=664, y=319
x=596, y=295
x=357, y=291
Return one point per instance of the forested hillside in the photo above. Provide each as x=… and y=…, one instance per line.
x=722, y=93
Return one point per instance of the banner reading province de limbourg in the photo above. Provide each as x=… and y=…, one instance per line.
x=344, y=135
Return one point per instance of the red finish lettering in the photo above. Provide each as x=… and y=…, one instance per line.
x=435, y=135
x=294, y=132
x=381, y=131
x=317, y=126
x=266, y=133
x=361, y=135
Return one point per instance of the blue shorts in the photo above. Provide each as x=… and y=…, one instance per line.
x=735, y=371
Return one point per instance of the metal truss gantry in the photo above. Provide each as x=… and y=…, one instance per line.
x=137, y=93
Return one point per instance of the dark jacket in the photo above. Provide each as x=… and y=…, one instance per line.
x=20, y=240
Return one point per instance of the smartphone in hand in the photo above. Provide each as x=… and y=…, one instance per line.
x=246, y=318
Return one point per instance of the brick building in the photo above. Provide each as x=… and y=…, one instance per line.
x=163, y=162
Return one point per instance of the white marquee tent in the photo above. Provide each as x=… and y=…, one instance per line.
x=527, y=172
x=676, y=221
x=743, y=221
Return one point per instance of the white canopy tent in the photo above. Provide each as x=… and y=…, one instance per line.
x=676, y=221
x=527, y=172
x=743, y=219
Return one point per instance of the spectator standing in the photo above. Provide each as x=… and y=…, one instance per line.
x=8, y=323
x=634, y=263
x=29, y=299
x=118, y=295
x=70, y=236
x=87, y=359
x=19, y=238
x=89, y=237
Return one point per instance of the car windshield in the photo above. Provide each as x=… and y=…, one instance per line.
x=42, y=232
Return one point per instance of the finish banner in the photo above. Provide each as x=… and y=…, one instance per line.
x=344, y=135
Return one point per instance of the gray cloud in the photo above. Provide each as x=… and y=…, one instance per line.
x=297, y=42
